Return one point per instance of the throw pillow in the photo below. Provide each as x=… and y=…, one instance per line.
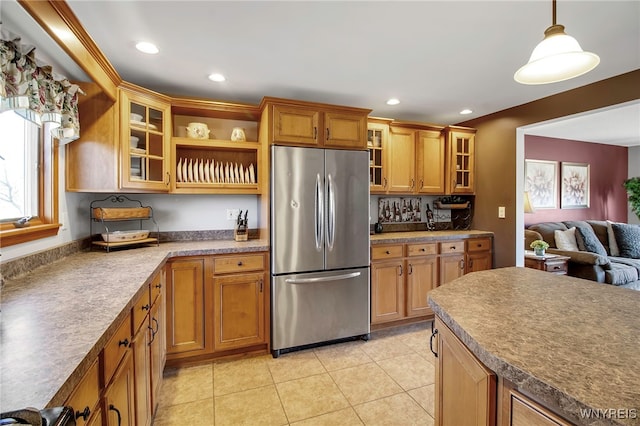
x=628, y=239
x=588, y=241
x=613, y=245
x=566, y=240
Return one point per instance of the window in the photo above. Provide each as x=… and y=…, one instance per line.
x=28, y=180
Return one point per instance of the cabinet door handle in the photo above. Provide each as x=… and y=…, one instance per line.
x=124, y=343
x=261, y=284
x=113, y=408
x=421, y=183
x=145, y=307
x=168, y=179
x=153, y=335
x=413, y=182
x=471, y=263
x=410, y=269
x=328, y=134
x=434, y=334
x=461, y=264
x=315, y=133
x=385, y=183
x=84, y=414
x=400, y=266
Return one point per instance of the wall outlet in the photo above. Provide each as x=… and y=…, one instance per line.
x=501, y=212
x=232, y=214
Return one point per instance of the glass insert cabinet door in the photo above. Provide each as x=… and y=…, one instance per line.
x=462, y=146
x=145, y=138
x=376, y=138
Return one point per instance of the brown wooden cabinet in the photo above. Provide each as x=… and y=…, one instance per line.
x=401, y=153
x=312, y=124
x=158, y=344
x=516, y=409
x=387, y=291
x=85, y=398
x=422, y=277
x=217, y=305
x=142, y=373
x=145, y=126
x=479, y=256
x=460, y=160
x=430, y=162
x=451, y=260
x=377, y=142
x=465, y=389
x=186, y=308
x=240, y=306
x=119, y=396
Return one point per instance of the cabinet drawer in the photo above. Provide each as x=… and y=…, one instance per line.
x=116, y=348
x=156, y=286
x=141, y=309
x=250, y=262
x=557, y=266
x=451, y=247
x=386, y=252
x=422, y=249
x=85, y=397
x=479, y=244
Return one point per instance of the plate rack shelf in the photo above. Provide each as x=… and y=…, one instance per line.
x=120, y=209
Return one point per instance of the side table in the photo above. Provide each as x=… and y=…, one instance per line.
x=553, y=263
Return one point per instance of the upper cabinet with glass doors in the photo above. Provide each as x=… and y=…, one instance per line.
x=460, y=160
x=145, y=137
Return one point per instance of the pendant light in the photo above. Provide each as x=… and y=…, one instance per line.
x=558, y=57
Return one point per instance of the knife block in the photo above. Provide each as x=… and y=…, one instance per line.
x=240, y=233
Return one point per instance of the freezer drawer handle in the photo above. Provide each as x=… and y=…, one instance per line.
x=321, y=279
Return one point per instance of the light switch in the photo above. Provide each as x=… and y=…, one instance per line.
x=501, y=212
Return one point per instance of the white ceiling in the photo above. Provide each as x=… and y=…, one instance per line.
x=437, y=57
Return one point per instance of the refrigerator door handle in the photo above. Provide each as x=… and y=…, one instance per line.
x=331, y=222
x=321, y=279
x=319, y=225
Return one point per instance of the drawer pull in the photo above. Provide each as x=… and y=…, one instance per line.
x=84, y=414
x=452, y=248
x=240, y=263
x=423, y=249
x=556, y=267
x=124, y=343
x=435, y=332
x=158, y=285
x=145, y=307
x=387, y=252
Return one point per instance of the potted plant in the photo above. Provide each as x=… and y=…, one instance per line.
x=632, y=185
x=539, y=246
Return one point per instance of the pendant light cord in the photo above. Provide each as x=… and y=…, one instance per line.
x=553, y=11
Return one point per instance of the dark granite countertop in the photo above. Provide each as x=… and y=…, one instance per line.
x=56, y=319
x=571, y=344
x=425, y=236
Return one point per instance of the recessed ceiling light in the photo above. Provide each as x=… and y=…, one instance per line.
x=466, y=111
x=147, y=47
x=393, y=101
x=217, y=77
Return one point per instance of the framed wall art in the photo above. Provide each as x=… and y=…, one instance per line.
x=575, y=186
x=541, y=182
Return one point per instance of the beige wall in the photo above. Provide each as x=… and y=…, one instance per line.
x=496, y=151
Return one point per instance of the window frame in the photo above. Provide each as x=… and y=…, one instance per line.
x=46, y=223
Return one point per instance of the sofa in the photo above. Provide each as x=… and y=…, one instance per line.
x=601, y=251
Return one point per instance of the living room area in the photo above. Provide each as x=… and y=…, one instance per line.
x=574, y=195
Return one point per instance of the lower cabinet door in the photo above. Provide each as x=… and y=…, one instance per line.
x=465, y=389
x=478, y=261
x=142, y=366
x=158, y=350
x=422, y=277
x=119, y=395
x=186, y=307
x=387, y=291
x=239, y=302
x=451, y=267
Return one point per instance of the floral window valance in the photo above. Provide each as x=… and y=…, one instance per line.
x=35, y=92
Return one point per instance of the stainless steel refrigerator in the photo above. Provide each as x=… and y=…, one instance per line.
x=319, y=246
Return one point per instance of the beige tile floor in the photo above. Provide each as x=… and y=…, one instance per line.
x=388, y=380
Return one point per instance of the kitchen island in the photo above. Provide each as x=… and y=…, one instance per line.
x=571, y=346
x=57, y=318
